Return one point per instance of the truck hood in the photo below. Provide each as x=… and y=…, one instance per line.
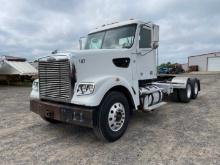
x=93, y=63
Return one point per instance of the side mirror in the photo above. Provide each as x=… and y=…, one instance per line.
x=80, y=44
x=81, y=39
x=155, y=45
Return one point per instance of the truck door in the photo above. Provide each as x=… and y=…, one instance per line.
x=146, y=55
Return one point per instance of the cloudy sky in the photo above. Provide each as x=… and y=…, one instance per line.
x=32, y=28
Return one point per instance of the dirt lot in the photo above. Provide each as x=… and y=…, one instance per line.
x=174, y=134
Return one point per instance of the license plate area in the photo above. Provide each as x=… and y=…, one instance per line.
x=70, y=115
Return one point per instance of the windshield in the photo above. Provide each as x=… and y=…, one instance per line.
x=121, y=37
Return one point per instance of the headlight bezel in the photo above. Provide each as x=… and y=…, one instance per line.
x=85, y=89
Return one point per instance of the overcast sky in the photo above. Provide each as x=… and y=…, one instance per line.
x=32, y=28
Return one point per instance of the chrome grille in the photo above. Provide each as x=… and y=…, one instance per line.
x=54, y=80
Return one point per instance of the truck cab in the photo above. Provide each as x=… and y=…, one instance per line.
x=102, y=84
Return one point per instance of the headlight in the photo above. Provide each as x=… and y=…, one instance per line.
x=85, y=89
x=35, y=85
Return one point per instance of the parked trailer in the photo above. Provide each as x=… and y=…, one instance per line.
x=100, y=86
x=15, y=68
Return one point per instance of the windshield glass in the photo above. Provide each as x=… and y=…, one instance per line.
x=121, y=37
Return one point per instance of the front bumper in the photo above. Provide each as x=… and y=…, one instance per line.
x=65, y=113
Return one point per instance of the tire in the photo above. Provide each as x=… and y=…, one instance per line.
x=113, y=110
x=195, y=88
x=185, y=94
x=175, y=95
x=52, y=121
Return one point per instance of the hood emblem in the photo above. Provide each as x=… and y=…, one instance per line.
x=51, y=59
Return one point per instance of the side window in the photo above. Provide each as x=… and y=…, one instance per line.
x=126, y=42
x=145, y=38
x=95, y=43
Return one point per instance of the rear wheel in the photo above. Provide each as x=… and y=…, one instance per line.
x=112, y=117
x=175, y=95
x=195, y=88
x=185, y=94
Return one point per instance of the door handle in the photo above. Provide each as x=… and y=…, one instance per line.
x=138, y=53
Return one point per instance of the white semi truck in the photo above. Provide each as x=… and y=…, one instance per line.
x=102, y=84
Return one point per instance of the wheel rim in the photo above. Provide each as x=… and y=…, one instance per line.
x=196, y=88
x=116, y=116
x=188, y=91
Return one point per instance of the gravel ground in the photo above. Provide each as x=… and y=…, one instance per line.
x=174, y=134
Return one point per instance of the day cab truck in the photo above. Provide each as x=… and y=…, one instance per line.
x=101, y=85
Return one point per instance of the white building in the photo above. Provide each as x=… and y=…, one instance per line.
x=185, y=67
x=206, y=62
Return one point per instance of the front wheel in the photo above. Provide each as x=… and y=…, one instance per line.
x=112, y=117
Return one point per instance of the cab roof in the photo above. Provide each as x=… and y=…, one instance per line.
x=118, y=24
